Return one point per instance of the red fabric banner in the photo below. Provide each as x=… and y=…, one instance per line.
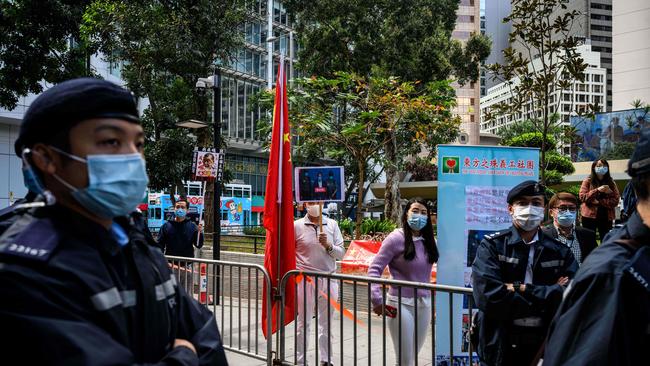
x=278, y=209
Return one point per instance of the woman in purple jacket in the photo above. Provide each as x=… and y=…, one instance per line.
x=409, y=253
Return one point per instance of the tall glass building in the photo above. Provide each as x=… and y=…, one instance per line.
x=267, y=34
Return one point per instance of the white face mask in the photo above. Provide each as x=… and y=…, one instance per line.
x=528, y=217
x=313, y=211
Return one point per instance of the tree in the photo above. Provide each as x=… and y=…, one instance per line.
x=543, y=29
x=351, y=119
x=165, y=47
x=410, y=40
x=419, y=120
x=40, y=42
x=407, y=39
x=555, y=165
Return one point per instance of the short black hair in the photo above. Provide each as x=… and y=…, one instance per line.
x=183, y=199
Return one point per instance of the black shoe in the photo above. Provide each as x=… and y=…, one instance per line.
x=323, y=363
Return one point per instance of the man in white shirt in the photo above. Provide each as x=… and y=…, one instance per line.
x=316, y=250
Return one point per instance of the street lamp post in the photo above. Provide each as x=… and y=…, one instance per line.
x=216, y=125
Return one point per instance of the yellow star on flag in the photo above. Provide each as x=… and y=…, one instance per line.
x=286, y=137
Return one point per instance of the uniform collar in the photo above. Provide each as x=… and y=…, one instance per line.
x=89, y=231
x=515, y=238
x=637, y=229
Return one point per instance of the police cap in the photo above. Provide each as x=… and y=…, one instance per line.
x=527, y=188
x=70, y=102
x=639, y=163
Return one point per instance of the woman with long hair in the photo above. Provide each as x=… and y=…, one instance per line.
x=409, y=252
x=599, y=195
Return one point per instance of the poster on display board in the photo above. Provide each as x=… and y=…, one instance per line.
x=238, y=210
x=319, y=183
x=601, y=134
x=473, y=184
x=207, y=164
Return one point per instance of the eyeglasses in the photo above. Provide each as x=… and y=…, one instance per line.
x=567, y=208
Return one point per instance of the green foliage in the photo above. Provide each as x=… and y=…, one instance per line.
x=347, y=226
x=531, y=139
x=422, y=170
x=553, y=177
x=554, y=165
x=40, y=41
x=621, y=150
x=559, y=163
x=575, y=190
x=370, y=226
x=255, y=230
x=543, y=29
x=408, y=39
x=165, y=47
x=350, y=119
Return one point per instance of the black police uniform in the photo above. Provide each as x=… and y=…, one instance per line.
x=605, y=316
x=72, y=295
x=512, y=325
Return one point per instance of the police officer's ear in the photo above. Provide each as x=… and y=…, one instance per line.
x=44, y=159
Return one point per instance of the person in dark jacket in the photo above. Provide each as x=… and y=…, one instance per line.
x=81, y=285
x=629, y=202
x=604, y=318
x=179, y=236
x=563, y=208
x=518, y=277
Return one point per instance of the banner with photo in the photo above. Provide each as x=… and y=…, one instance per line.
x=473, y=183
x=319, y=183
x=207, y=164
x=600, y=135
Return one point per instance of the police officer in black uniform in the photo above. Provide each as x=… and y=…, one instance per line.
x=518, y=277
x=80, y=285
x=604, y=318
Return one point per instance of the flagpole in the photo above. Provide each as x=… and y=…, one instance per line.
x=278, y=295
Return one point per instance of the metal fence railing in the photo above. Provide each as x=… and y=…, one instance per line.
x=249, y=243
x=355, y=333
x=233, y=292
x=352, y=333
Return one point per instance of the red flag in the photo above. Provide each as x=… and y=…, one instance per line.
x=278, y=208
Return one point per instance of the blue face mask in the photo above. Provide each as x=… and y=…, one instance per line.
x=116, y=183
x=602, y=170
x=417, y=221
x=566, y=218
x=180, y=213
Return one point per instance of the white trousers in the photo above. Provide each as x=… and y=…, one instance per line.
x=409, y=337
x=305, y=294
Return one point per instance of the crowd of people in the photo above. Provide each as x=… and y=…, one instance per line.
x=83, y=281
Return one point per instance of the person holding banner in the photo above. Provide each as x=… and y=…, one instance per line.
x=319, y=244
x=409, y=252
x=518, y=277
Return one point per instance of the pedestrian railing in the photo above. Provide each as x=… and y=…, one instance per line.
x=234, y=293
x=368, y=342
x=352, y=333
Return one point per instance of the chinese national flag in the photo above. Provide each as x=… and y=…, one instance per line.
x=278, y=209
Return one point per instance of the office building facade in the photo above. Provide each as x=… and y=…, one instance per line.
x=631, y=53
x=567, y=102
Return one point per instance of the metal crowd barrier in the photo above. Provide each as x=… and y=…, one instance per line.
x=362, y=320
x=358, y=336
x=238, y=306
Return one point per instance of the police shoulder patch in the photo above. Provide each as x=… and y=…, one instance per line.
x=639, y=267
x=37, y=240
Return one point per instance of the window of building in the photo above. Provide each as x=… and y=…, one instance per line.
x=606, y=28
x=601, y=16
x=465, y=19
x=600, y=6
